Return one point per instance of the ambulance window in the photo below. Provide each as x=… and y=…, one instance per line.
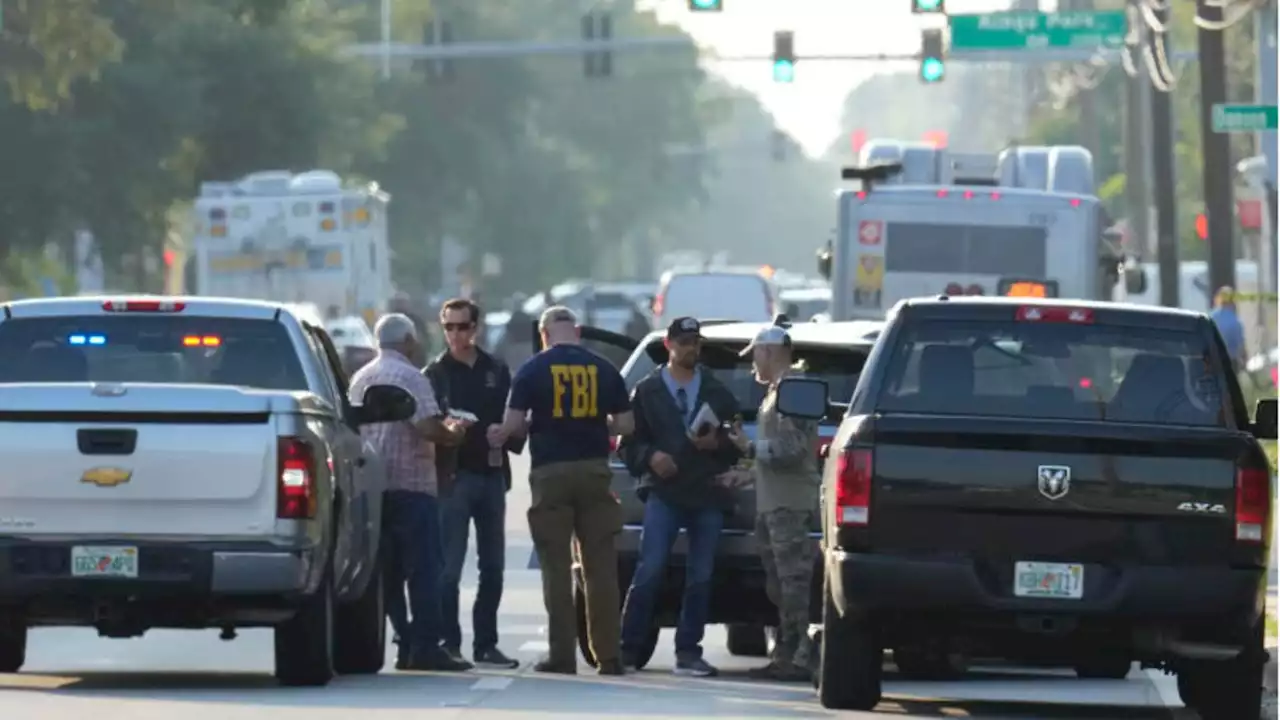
x=301, y=209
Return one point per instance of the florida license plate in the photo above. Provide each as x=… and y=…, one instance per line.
x=105, y=562
x=1048, y=580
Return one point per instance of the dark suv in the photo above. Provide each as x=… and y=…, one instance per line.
x=832, y=352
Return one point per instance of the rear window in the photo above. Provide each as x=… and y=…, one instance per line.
x=724, y=297
x=150, y=349
x=1054, y=370
x=966, y=249
x=839, y=368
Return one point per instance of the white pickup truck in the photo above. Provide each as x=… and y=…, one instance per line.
x=189, y=463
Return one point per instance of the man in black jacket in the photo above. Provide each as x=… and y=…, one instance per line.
x=474, y=479
x=677, y=466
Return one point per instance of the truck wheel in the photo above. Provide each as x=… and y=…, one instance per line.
x=304, y=642
x=1227, y=689
x=849, y=672
x=13, y=642
x=1108, y=668
x=584, y=640
x=747, y=640
x=360, y=631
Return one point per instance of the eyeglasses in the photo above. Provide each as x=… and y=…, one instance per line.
x=458, y=327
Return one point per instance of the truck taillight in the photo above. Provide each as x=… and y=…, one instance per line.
x=853, y=487
x=1253, y=504
x=143, y=306
x=295, y=480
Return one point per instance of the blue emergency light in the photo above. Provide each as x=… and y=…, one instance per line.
x=80, y=339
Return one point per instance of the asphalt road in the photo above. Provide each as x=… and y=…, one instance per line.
x=194, y=675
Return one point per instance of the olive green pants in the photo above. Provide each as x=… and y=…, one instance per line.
x=572, y=500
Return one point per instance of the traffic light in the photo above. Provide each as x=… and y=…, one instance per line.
x=784, y=56
x=597, y=63
x=929, y=7
x=706, y=5
x=933, y=66
x=438, y=33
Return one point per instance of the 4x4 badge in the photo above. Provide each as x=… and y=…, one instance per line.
x=1054, y=480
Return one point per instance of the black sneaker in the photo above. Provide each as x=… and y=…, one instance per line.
x=547, y=665
x=780, y=673
x=695, y=667
x=454, y=653
x=611, y=667
x=438, y=661
x=494, y=658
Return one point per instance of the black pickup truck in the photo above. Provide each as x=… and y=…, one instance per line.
x=1070, y=482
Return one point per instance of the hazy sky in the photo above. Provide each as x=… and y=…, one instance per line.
x=810, y=107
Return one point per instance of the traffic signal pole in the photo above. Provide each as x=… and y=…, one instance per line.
x=1217, y=151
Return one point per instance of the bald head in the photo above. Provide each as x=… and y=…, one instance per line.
x=395, y=331
x=558, y=325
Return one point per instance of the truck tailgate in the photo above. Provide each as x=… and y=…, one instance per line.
x=1054, y=490
x=136, y=460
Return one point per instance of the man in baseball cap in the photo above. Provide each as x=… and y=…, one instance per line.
x=684, y=327
x=770, y=337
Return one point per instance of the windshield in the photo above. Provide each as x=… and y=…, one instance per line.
x=350, y=332
x=150, y=349
x=723, y=297
x=1054, y=370
x=838, y=367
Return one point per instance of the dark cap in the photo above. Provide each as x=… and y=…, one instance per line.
x=684, y=326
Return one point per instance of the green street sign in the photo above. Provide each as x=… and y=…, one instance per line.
x=1236, y=117
x=1035, y=30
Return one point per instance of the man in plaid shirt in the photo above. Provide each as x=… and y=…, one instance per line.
x=411, y=541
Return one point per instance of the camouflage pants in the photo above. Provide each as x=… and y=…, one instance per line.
x=787, y=554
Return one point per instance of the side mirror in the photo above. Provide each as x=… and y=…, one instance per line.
x=1135, y=279
x=1264, y=419
x=384, y=404
x=803, y=398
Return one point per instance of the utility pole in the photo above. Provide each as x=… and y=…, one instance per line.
x=1163, y=167
x=1265, y=34
x=1137, y=163
x=1218, y=173
x=1087, y=97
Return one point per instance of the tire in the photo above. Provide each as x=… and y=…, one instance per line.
x=1109, y=668
x=360, y=631
x=13, y=642
x=928, y=663
x=304, y=643
x=1226, y=690
x=850, y=669
x=748, y=640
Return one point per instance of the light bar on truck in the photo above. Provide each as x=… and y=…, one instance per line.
x=1015, y=287
x=83, y=339
x=143, y=306
x=201, y=341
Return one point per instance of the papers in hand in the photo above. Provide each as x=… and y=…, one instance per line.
x=464, y=416
x=704, y=419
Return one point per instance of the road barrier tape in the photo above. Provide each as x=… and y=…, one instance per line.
x=1273, y=297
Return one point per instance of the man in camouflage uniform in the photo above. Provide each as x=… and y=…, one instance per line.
x=787, y=485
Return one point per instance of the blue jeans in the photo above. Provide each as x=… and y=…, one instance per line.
x=482, y=498
x=662, y=524
x=411, y=556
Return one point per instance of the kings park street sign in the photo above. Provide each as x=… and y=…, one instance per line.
x=1036, y=30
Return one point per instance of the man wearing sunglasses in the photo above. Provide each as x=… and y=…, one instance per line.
x=475, y=478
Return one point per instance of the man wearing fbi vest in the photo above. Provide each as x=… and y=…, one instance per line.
x=572, y=401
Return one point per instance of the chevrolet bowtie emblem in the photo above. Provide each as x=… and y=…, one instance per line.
x=106, y=476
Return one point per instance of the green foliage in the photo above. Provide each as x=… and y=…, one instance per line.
x=119, y=108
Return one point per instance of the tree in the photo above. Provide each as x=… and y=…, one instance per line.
x=47, y=46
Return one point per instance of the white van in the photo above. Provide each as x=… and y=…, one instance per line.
x=714, y=295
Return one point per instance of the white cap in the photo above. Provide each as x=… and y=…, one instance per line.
x=772, y=335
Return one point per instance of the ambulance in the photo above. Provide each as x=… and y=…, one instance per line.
x=294, y=238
